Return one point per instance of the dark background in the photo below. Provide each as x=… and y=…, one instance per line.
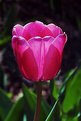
x=63, y=13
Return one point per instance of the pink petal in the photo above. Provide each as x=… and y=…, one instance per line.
x=29, y=65
x=34, y=29
x=17, y=30
x=40, y=47
x=59, y=42
x=47, y=41
x=52, y=63
x=25, y=58
x=46, y=32
x=55, y=30
x=37, y=46
x=19, y=45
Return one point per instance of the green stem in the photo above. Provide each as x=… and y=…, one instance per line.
x=38, y=107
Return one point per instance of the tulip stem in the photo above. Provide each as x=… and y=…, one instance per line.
x=38, y=106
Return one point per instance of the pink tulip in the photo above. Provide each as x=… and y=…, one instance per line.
x=38, y=49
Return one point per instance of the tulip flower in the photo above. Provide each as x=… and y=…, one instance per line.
x=38, y=49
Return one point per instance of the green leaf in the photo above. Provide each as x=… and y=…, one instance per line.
x=58, y=94
x=50, y=115
x=17, y=111
x=24, y=117
x=55, y=91
x=73, y=92
x=5, y=104
x=5, y=40
x=70, y=118
x=66, y=79
x=30, y=102
x=30, y=99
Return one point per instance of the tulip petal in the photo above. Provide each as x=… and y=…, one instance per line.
x=47, y=41
x=17, y=30
x=59, y=42
x=55, y=30
x=25, y=58
x=29, y=65
x=34, y=29
x=19, y=45
x=46, y=32
x=37, y=46
x=51, y=63
x=40, y=47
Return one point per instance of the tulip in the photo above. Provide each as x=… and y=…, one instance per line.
x=38, y=49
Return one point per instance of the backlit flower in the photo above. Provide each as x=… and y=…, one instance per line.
x=38, y=49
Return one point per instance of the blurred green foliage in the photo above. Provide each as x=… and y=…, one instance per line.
x=67, y=102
